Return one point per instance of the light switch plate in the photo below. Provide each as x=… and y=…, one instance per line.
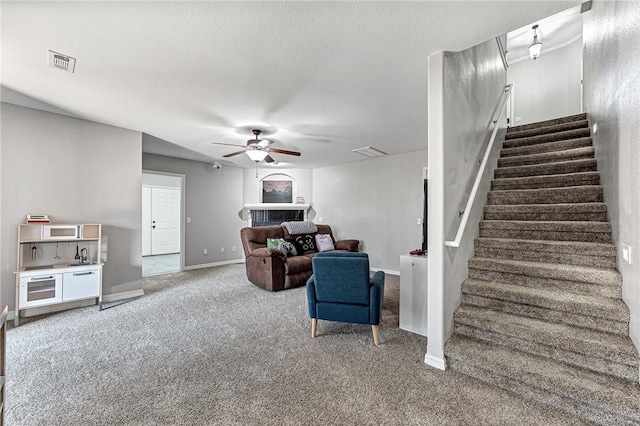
x=626, y=253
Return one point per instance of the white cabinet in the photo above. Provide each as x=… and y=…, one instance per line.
x=82, y=284
x=413, y=294
x=57, y=264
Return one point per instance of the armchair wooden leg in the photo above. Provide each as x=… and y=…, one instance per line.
x=376, y=334
x=314, y=327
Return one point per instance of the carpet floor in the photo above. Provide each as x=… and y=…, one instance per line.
x=206, y=347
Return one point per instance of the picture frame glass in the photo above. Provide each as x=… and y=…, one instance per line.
x=277, y=191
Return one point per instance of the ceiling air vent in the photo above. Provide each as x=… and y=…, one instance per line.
x=62, y=62
x=369, y=151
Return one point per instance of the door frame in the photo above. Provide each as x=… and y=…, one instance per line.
x=182, y=178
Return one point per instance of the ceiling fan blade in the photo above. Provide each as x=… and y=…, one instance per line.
x=235, y=153
x=227, y=144
x=269, y=159
x=283, y=151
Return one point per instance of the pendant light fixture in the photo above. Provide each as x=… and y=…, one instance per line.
x=536, y=46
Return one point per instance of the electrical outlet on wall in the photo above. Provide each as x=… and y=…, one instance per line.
x=221, y=249
x=234, y=248
x=205, y=252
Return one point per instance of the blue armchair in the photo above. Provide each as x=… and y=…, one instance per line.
x=340, y=290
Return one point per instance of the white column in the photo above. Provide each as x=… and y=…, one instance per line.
x=435, y=190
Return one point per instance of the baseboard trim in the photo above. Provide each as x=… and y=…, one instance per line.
x=209, y=265
x=123, y=295
x=438, y=363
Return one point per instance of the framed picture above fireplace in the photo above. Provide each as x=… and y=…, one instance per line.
x=277, y=191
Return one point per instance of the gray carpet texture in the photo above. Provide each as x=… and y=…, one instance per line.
x=206, y=347
x=541, y=313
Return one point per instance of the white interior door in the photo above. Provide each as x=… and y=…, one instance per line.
x=165, y=221
x=146, y=221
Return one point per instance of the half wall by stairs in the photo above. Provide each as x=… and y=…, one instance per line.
x=541, y=312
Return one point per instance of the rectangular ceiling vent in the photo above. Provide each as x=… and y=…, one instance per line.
x=62, y=62
x=368, y=151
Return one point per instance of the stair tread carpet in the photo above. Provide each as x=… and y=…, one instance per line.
x=558, y=271
x=585, y=212
x=547, y=157
x=547, y=181
x=575, y=247
x=548, y=251
x=574, y=194
x=584, y=304
x=597, y=397
x=562, y=167
x=547, y=147
x=547, y=123
x=553, y=128
x=551, y=137
x=613, y=348
x=599, y=232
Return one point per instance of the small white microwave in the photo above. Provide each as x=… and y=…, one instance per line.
x=62, y=232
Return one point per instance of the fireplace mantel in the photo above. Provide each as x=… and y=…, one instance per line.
x=277, y=206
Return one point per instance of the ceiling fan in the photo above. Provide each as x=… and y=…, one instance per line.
x=258, y=149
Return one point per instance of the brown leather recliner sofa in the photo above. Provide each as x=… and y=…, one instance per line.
x=271, y=268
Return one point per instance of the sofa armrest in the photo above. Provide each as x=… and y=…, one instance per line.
x=351, y=245
x=311, y=297
x=269, y=252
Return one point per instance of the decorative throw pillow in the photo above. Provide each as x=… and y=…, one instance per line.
x=324, y=242
x=274, y=242
x=288, y=248
x=305, y=244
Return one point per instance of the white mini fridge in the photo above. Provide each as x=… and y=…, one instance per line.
x=413, y=293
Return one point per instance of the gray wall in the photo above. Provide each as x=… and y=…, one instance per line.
x=612, y=94
x=76, y=171
x=376, y=201
x=474, y=81
x=213, y=202
x=548, y=87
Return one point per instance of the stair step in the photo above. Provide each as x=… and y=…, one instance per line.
x=551, y=137
x=584, y=212
x=547, y=157
x=592, y=232
x=554, y=128
x=563, y=167
x=568, y=195
x=547, y=123
x=567, y=252
x=599, y=313
x=547, y=147
x=547, y=181
x=593, y=397
x=604, y=276
x=573, y=278
x=593, y=350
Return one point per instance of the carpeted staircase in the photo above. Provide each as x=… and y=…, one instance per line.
x=541, y=312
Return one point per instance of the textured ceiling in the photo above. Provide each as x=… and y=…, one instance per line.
x=320, y=77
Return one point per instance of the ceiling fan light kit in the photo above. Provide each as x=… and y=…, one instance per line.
x=258, y=149
x=256, y=155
